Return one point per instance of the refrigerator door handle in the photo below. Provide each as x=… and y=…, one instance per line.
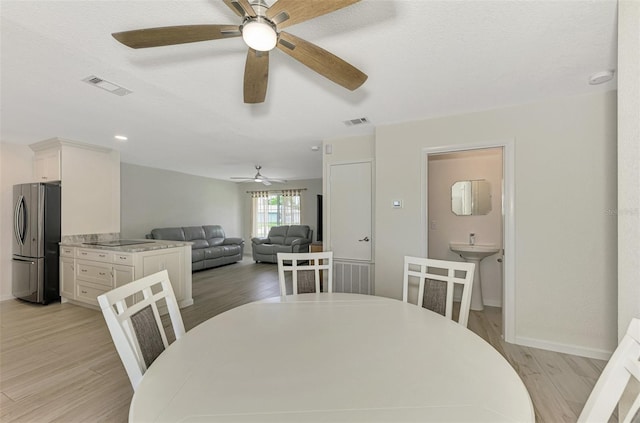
x=24, y=260
x=19, y=231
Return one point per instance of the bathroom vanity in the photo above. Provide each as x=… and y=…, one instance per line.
x=88, y=270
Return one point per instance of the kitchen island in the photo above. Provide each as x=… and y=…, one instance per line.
x=89, y=269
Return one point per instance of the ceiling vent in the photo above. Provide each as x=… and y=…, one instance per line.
x=359, y=121
x=106, y=85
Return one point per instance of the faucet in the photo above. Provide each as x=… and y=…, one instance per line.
x=472, y=238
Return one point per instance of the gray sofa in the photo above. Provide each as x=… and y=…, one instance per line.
x=210, y=247
x=281, y=239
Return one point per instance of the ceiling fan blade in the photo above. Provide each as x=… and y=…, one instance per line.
x=266, y=182
x=170, y=35
x=290, y=12
x=326, y=64
x=256, y=76
x=241, y=7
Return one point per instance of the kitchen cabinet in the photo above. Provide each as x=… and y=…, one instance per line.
x=90, y=180
x=67, y=286
x=86, y=273
x=46, y=165
x=170, y=261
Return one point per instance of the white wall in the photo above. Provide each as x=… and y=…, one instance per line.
x=445, y=227
x=156, y=198
x=16, y=167
x=308, y=203
x=565, y=181
x=628, y=163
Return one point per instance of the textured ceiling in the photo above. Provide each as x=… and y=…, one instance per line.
x=424, y=59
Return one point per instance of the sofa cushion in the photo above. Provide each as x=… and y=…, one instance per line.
x=277, y=234
x=296, y=232
x=214, y=242
x=197, y=255
x=213, y=252
x=172, y=234
x=263, y=248
x=231, y=250
x=199, y=243
x=281, y=249
x=213, y=231
x=193, y=232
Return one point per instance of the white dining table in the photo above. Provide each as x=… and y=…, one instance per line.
x=328, y=358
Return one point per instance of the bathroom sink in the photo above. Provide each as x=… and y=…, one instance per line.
x=473, y=252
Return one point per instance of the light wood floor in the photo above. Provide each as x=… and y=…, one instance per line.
x=58, y=364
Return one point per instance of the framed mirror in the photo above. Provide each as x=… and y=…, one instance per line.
x=471, y=198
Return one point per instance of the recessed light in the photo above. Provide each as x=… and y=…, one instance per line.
x=121, y=138
x=601, y=77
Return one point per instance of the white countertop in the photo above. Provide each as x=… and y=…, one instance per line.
x=330, y=357
x=149, y=245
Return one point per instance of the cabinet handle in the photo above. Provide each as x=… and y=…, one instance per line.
x=101, y=273
x=84, y=254
x=84, y=292
x=102, y=255
x=123, y=257
x=83, y=270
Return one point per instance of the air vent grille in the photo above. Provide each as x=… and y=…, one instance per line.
x=358, y=121
x=106, y=85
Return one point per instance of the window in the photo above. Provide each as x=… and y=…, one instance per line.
x=274, y=208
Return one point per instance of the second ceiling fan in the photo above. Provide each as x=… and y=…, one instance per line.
x=261, y=29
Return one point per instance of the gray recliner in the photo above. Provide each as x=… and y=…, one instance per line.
x=281, y=239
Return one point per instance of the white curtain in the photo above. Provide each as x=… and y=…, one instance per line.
x=290, y=207
x=260, y=212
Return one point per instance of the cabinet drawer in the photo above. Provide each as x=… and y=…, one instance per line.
x=122, y=258
x=94, y=272
x=88, y=293
x=66, y=251
x=97, y=255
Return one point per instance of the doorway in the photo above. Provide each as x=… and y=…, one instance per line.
x=487, y=214
x=350, y=226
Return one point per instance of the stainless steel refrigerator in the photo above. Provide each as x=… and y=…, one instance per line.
x=36, y=227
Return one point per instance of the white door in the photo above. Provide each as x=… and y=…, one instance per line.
x=350, y=229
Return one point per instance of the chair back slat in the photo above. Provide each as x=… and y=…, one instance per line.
x=425, y=269
x=623, y=365
x=133, y=318
x=303, y=265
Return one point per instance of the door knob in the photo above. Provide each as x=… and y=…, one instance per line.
x=365, y=239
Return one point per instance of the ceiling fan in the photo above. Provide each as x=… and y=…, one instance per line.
x=261, y=30
x=259, y=178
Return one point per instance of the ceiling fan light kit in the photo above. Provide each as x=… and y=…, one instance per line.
x=261, y=31
x=259, y=34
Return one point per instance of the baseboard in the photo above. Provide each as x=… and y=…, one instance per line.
x=7, y=298
x=564, y=348
x=492, y=303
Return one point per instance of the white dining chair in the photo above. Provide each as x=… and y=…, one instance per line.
x=133, y=318
x=438, y=278
x=622, y=366
x=307, y=271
